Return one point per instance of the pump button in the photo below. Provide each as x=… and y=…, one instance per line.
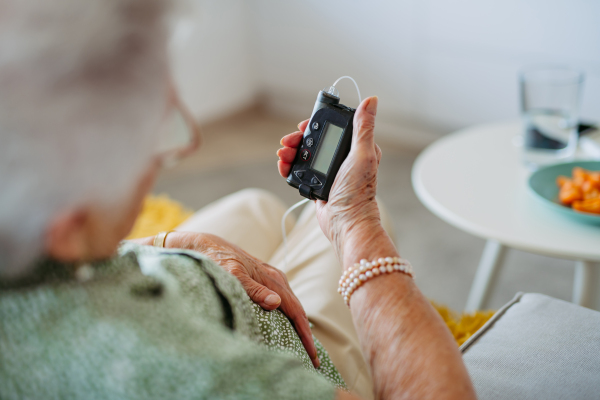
x=299, y=174
x=315, y=181
x=305, y=155
x=309, y=142
x=315, y=126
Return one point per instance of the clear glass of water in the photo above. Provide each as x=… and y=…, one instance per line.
x=550, y=98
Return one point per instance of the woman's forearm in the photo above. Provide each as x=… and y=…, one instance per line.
x=409, y=349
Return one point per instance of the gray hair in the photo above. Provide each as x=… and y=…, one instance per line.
x=82, y=89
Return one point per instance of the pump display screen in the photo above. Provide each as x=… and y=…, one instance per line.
x=329, y=143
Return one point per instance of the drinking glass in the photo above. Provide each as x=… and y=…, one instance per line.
x=550, y=98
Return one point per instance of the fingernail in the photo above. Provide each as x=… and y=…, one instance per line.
x=317, y=362
x=272, y=300
x=372, y=106
x=299, y=126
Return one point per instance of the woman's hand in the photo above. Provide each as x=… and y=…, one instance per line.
x=383, y=308
x=266, y=285
x=352, y=197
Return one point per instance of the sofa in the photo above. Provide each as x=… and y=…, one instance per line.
x=536, y=347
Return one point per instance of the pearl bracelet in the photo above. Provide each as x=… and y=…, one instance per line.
x=353, y=278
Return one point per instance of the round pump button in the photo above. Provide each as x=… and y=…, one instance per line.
x=305, y=155
x=309, y=142
x=315, y=126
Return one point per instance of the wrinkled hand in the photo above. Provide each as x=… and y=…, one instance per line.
x=352, y=197
x=266, y=285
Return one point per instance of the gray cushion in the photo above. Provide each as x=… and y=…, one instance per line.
x=536, y=347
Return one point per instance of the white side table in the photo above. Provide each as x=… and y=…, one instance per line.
x=474, y=180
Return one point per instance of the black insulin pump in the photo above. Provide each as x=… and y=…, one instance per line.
x=325, y=146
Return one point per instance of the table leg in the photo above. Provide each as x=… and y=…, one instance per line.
x=491, y=261
x=586, y=287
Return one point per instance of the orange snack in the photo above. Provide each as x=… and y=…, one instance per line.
x=588, y=206
x=594, y=179
x=561, y=180
x=592, y=194
x=582, y=191
x=569, y=192
x=590, y=190
x=587, y=187
x=579, y=175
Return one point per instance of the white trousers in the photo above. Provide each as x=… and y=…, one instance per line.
x=251, y=219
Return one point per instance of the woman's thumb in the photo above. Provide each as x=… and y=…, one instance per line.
x=364, y=122
x=267, y=299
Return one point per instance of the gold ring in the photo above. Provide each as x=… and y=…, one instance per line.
x=161, y=238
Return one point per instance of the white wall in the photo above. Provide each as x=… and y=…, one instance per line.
x=435, y=64
x=212, y=57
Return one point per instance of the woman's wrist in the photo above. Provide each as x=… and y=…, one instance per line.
x=366, y=240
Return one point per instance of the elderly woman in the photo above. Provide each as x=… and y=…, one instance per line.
x=84, y=97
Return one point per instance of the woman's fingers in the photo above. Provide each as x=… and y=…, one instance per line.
x=292, y=140
x=302, y=125
x=290, y=143
x=287, y=154
x=364, y=123
x=284, y=168
x=265, y=285
x=286, y=158
x=292, y=308
x=267, y=299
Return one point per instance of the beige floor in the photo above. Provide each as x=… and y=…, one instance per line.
x=239, y=152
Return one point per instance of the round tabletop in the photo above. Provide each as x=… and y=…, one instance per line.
x=474, y=180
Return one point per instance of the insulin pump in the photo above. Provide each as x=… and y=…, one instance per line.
x=325, y=145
